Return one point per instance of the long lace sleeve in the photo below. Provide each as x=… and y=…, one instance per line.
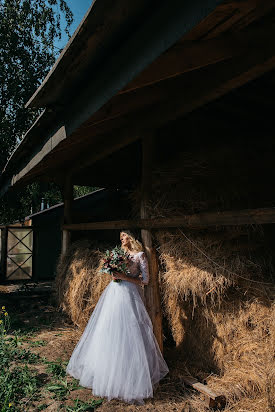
x=144, y=268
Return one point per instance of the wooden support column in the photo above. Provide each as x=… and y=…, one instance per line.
x=151, y=291
x=4, y=242
x=68, y=204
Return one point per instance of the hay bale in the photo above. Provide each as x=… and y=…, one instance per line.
x=222, y=324
x=214, y=297
x=78, y=283
x=204, y=265
x=243, y=348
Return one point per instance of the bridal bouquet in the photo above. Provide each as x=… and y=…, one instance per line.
x=115, y=260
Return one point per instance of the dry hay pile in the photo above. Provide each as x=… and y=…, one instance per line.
x=222, y=322
x=214, y=296
x=79, y=283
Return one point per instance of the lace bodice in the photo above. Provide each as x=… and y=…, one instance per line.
x=138, y=264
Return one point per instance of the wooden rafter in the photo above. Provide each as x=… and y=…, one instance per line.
x=192, y=55
x=152, y=84
x=195, y=221
x=147, y=106
x=230, y=15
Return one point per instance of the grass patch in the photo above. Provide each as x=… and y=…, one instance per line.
x=20, y=383
x=16, y=384
x=84, y=406
x=61, y=388
x=17, y=380
x=38, y=343
x=57, y=368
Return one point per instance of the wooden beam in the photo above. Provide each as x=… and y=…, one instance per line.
x=151, y=291
x=197, y=221
x=262, y=9
x=4, y=241
x=230, y=15
x=212, y=399
x=105, y=147
x=147, y=106
x=183, y=58
x=54, y=140
x=151, y=85
x=187, y=55
x=68, y=203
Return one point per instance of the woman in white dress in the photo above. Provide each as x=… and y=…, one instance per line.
x=118, y=355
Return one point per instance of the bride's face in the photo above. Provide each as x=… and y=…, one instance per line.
x=125, y=239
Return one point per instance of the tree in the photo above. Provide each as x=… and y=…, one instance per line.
x=28, y=31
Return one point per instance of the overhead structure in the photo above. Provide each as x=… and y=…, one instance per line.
x=129, y=74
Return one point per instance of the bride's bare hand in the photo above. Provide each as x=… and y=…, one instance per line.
x=118, y=275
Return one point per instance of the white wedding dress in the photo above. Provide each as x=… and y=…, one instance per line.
x=118, y=355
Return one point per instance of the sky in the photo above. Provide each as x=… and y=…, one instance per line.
x=79, y=8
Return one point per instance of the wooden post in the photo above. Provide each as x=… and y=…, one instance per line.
x=68, y=203
x=151, y=291
x=3, y=272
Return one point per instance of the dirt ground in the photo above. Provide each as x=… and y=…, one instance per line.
x=59, y=337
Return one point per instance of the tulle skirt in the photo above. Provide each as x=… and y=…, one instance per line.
x=118, y=355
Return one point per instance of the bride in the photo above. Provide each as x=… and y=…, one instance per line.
x=118, y=355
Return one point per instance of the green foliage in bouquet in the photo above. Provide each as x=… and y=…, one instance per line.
x=115, y=260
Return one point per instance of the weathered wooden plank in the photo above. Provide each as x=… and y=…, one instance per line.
x=105, y=148
x=196, y=221
x=56, y=138
x=213, y=400
x=262, y=8
x=221, y=14
x=66, y=240
x=182, y=58
x=68, y=203
x=151, y=291
x=230, y=15
x=3, y=263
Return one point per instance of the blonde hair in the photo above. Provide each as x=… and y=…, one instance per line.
x=136, y=245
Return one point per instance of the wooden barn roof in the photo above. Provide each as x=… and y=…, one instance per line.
x=130, y=68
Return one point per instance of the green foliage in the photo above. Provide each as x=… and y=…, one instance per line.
x=16, y=205
x=30, y=197
x=20, y=385
x=115, y=260
x=84, y=406
x=42, y=407
x=61, y=388
x=10, y=350
x=38, y=343
x=57, y=368
x=16, y=379
x=83, y=190
x=27, y=34
x=17, y=383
